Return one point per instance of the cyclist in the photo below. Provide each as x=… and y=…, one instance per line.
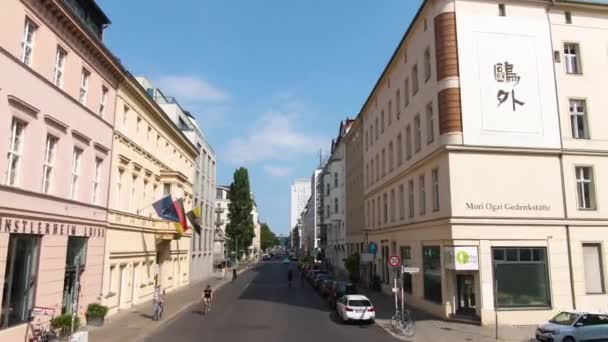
x=289, y=276
x=207, y=296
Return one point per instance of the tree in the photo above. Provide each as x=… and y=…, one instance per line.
x=239, y=230
x=352, y=266
x=268, y=238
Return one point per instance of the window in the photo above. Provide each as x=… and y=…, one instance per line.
x=427, y=64
x=382, y=121
x=27, y=45
x=149, y=133
x=366, y=140
x=166, y=189
x=119, y=188
x=84, y=86
x=410, y=197
x=430, y=124
x=385, y=208
x=398, y=103
x=373, y=219
x=125, y=116
x=406, y=91
x=421, y=187
x=97, y=180
x=336, y=205
x=585, y=189
x=594, y=275
x=390, y=156
x=138, y=127
x=49, y=163
x=431, y=263
x=502, y=11
x=14, y=151
x=377, y=167
x=379, y=202
x=568, y=17
x=399, y=149
x=383, y=162
x=417, y=133
x=521, y=277
x=435, y=184
x=59, y=66
x=104, y=99
x=145, y=192
x=390, y=112
x=335, y=179
x=393, y=204
x=415, y=79
x=571, y=56
x=371, y=174
x=401, y=202
x=578, y=119
x=408, y=142
x=19, y=279
x=377, y=129
x=328, y=211
x=75, y=172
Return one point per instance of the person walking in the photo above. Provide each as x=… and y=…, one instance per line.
x=234, y=273
x=157, y=303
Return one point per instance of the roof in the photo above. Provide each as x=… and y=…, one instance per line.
x=356, y=297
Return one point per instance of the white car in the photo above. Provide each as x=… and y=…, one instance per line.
x=286, y=261
x=355, y=308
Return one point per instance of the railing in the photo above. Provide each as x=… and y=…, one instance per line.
x=140, y=221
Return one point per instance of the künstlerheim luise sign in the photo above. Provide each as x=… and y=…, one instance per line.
x=519, y=207
x=44, y=227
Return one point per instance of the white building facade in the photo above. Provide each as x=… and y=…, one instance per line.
x=300, y=192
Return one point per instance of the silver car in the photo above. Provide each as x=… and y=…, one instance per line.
x=574, y=326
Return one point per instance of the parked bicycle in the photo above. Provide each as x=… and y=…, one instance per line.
x=404, y=322
x=38, y=332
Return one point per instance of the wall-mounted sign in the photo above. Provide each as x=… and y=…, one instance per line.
x=461, y=258
x=25, y=226
x=510, y=207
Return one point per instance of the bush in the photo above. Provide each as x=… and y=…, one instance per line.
x=64, y=322
x=352, y=264
x=97, y=310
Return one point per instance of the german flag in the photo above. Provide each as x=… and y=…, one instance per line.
x=181, y=214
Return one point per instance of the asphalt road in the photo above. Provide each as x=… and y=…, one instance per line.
x=260, y=307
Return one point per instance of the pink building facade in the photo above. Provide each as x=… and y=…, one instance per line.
x=57, y=93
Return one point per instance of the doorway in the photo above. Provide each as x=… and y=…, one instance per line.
x=465, y=304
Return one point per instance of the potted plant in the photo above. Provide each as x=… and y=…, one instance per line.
x=96, y=314
x=64, y=324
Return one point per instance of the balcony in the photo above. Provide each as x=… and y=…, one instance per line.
x=220, y=222
x=164, y=230
x=219, y=210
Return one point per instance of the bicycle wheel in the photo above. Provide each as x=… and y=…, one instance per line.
x=396, y=321
x=409, y=325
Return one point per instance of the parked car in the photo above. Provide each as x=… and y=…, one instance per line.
x=325, y=287
x=311, y=274
x=355, y=308
x=339, y=289
x=573, y=326
x=265, y=257
x=286, y=260
x=322, y=276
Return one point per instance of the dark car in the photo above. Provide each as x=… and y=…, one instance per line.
x=325, y=287
x=311, y=274
x=339, y=289
x=320, y=278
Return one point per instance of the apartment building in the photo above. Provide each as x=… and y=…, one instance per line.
x=354, y=211
x=300, y=192
x=57, y=95
x=483, y=156
x=335, y=199
x=201, y=258
x=152, y=158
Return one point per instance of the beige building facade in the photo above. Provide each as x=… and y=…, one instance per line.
x=483, y=160
x=151, y=158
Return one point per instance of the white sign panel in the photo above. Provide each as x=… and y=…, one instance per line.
x=461, y=258
x=410, y=269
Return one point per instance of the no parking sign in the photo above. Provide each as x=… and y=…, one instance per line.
x=394, y=261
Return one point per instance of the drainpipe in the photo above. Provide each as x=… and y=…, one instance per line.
x=561, y=166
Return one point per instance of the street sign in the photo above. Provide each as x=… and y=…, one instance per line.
x=372, y=248
x=395, y=289
x=410, y=269
x=394, y=261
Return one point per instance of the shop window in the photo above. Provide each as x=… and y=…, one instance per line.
x=592, y=259
x=431, y=262
x=406, y=260
x=19, y=279
x=521, y=277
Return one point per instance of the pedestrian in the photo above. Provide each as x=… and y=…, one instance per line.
x=233, y=273
x=157, y=303
x=223, y=271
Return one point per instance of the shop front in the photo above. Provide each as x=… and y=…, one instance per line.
x=50, y=268
x=462, y=272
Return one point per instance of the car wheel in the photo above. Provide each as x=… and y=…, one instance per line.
x=569, y=339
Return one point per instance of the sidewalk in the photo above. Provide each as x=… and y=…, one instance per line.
x=432, y=329
x=136, y=323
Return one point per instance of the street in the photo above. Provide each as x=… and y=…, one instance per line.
x=259, y=306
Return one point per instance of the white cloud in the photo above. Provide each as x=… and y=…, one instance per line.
x=190, y=89
x=273, y=136
x=277, y=171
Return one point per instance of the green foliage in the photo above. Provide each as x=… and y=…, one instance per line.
x=64, y=322
x=352, y=264
x=268, y=238
x=239, y=230
x=97, y=310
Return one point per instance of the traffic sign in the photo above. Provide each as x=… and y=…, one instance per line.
x=394, y=261
x=372, y=248
x=410, y=269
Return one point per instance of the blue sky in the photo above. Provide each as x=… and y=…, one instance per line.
x=269, y=81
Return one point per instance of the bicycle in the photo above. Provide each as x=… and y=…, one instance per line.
x=404, y=323
x=40, y=333
x=206, y=305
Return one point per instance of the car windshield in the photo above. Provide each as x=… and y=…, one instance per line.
x=359, y=302
x=564, y=318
